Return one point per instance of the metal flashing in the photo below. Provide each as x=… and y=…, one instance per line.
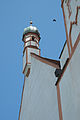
x=62, y=49
x=64, y=67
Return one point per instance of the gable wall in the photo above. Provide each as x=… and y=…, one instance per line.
x=40, y=94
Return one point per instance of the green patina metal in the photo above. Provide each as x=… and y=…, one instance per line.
x=31, y=29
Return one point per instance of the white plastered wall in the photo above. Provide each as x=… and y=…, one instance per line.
x=70, y=88
x=73, y=8
x=75, y=29
x=40, y=94
x=32, y=50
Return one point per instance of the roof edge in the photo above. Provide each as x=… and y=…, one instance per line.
x=53, y=63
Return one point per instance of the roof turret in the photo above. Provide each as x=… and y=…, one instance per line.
x=31, y=29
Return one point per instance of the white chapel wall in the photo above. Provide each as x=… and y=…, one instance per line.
x=32, y=50
x=40, y=94
x=70, y=5
x=70, y=88
x=70, y=11
x=66, y=15
x=75, y=29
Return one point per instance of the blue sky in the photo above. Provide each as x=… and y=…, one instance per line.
x=14, y=17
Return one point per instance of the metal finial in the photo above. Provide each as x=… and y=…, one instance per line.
x=31, y=20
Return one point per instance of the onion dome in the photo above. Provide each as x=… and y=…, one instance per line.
x=31, y=29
